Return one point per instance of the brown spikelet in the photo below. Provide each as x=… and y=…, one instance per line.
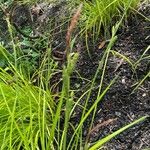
x=72, y=25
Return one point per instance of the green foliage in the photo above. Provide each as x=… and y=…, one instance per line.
x=4, y=56
x=99, y=14
x=25, y=111
x=32, y=116
x=106, y=139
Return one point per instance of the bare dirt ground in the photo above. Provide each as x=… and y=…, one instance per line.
x=119, y=104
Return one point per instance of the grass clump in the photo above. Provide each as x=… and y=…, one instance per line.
x=101, y=15
x=25, y=111
x=33, y=115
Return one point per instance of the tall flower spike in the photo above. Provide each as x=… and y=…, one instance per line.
x=71, y=27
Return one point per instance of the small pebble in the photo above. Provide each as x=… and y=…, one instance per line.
x=144, y=94
x=123, y=81
x=118, y=114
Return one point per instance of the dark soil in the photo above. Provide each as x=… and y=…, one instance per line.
x=119, y=103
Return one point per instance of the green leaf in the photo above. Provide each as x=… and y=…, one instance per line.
x=109, y=137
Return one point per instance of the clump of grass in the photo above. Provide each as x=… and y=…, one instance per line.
x=26, y=110
x=98, y=14
x=31, y=117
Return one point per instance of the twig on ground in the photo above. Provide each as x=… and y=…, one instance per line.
x=98, y=126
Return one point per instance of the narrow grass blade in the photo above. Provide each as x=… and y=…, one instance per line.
x=109, y=137
x=148, y=75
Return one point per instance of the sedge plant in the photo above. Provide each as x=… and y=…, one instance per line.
x=33, y=118
x=98, y=14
